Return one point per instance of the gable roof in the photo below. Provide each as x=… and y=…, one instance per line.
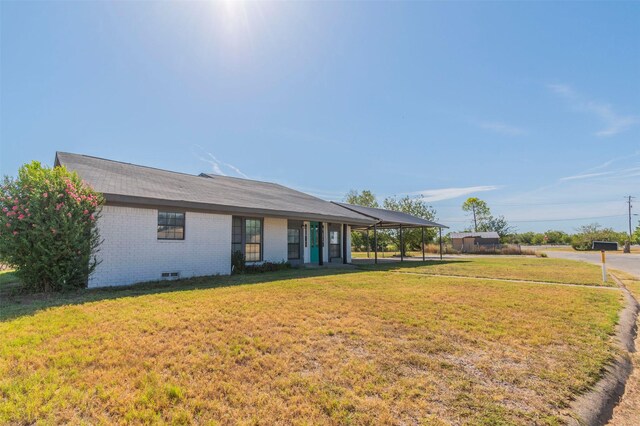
x=131, y=184
x=474, y=234
x=389, y=218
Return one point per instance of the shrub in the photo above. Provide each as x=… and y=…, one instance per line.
x=48, y=228
x=504, y=249
x=435, y=248
x=237, y=262
x=511, y=249
x=267, y=267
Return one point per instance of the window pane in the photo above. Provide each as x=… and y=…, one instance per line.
x=178, y=232
x=334, y=237
x=236, y=247
x=236, y=235
x=293, y=236
x=162, y=233
x=253, y=231
x=171, y=225
x=252, y=252
x=293, y=251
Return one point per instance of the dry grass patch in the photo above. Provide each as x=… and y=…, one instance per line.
x=517, y=268
x=360, y=348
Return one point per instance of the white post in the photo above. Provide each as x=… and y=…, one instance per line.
x=604, y=267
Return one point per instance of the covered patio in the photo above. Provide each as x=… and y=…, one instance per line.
x=389, y=219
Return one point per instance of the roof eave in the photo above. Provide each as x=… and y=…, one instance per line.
x=147, y=202
x=385, y=224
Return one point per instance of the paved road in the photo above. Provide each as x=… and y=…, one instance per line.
x=625, y=262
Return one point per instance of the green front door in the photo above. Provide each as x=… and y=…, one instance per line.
x=314, y=254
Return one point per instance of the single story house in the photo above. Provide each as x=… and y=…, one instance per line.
x=159, y=224
x=469, y=241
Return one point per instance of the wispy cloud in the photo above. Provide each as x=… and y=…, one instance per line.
x=449, y=193
x=584, y=176
x=215, y=164
x=237, y=170
x=605, y=171
x=218, y=166
x=499, y=127
x=613, y=122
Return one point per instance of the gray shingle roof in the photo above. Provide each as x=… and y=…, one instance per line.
x=474, y=234
x=390, y=218
x=130, y=184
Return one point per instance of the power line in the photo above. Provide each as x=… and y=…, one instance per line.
x=437, y=204
x=550, y=220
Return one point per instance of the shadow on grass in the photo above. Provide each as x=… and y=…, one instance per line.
x=395, y=264
x=14, y=304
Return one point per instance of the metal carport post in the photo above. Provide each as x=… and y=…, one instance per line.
x=375, y=241
x=401, y=246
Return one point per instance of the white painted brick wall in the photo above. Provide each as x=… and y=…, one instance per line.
x=132, y=253
x=275, y=239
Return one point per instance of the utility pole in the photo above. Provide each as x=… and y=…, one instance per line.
x=627, y=247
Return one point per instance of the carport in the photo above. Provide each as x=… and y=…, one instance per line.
x=389, y=219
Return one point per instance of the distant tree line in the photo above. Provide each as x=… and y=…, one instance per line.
x=538, y=238
x=580, y=240
x=481, y=220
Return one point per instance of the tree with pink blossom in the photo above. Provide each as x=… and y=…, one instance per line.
x=48, y=228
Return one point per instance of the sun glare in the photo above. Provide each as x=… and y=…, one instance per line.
x=232, y=20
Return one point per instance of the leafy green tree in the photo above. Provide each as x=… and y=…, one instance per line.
x=587, y=234
x=479, y=210
x=48, y=228
x=556, y=237
x=535, y=238
x=497, y=224
x=366, y=198
x=412, y=238
x=484, y=221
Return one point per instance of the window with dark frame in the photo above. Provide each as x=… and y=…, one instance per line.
x=246, y=237
x=170, y=225
x=236, y=236
x=293, y=243
x=253, y=240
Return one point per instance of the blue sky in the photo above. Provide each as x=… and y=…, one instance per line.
x=534, y=107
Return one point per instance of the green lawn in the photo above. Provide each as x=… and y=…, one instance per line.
x=513, y=267
x=305, y=347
